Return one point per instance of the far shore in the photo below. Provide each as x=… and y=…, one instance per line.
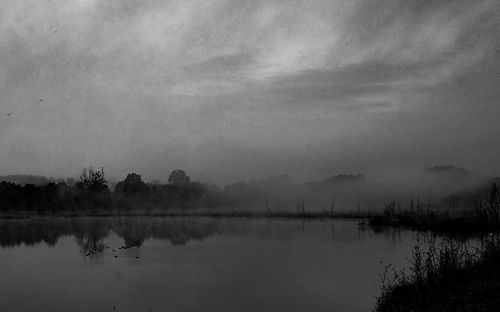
x=193, y=213
x=438, y=223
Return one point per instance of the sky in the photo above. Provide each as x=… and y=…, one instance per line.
x=236, y=90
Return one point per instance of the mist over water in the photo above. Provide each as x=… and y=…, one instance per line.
x=277, y=111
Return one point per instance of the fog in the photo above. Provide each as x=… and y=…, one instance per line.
x=239, y=90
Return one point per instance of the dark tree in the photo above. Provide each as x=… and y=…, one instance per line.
x=178, y=177
x=132, y=185
x=494, y=194
x=92, y=180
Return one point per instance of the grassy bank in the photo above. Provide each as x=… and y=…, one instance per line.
x=452, y=277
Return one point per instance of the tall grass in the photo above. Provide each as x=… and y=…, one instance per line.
x=484, y=215
x=437, y=275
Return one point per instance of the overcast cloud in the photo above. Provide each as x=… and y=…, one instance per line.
x=231, y=90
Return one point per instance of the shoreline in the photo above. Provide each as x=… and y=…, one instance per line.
x=446, y=279
x=213, y=214
x=473, y=288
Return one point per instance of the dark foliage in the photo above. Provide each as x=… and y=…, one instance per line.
x=178, y=177
x=91, y=193
x=452, y=277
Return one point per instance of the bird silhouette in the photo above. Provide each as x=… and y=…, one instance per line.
x=8, y=114
x=40, y=100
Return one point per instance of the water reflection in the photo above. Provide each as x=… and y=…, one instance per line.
x=222, y=265
x=90, y=233
x=134, y=263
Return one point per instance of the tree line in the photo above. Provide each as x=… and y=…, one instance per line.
x=92, y=192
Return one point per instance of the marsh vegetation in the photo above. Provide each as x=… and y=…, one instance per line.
x=453, y=276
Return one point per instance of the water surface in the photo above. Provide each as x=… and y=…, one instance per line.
x=193, y=264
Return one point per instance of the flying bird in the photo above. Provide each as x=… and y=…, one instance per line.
x=8, y=114
x=40, y=100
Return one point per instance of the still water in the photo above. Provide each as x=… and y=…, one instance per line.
x=193, y=264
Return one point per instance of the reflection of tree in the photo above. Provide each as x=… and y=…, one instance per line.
x=90, y=233
x=16, y=232
x=90, y=244
x=390, y=233
x=132, y=232
x=177, y=231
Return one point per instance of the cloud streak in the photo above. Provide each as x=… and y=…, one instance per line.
x=333, y=85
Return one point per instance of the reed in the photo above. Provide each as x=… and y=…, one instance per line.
x=454, y=276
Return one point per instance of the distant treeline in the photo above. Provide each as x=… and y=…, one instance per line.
x=448, y=187
x=33, y=179
x=91, y=192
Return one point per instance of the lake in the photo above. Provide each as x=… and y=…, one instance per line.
x=194, y=264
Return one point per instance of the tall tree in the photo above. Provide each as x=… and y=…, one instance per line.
x=178, y=177
x=93, y=180
x=132, y=184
